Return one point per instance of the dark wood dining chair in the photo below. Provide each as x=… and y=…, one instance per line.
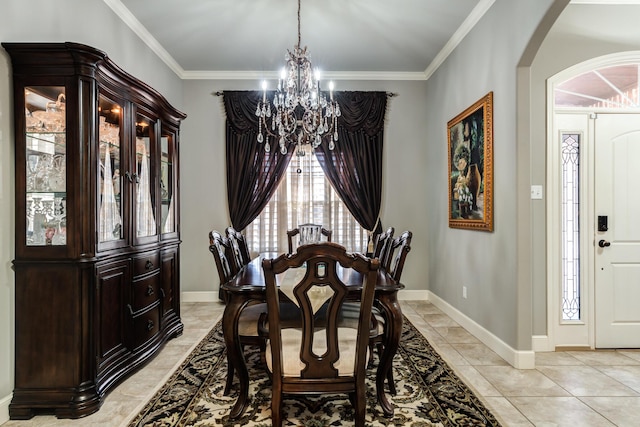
x=239, y=247
x=324, y=356
x=396, y=255
x=393, y=261
x=382, y=244
x=308, y=233
x=219, y=247
x=249, y=316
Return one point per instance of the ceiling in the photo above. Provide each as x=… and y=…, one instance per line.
x=363, y=39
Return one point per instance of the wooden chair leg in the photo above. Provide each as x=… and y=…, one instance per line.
x=230, y=372
x=360, y=407
x=276, y=410
x=392, y=384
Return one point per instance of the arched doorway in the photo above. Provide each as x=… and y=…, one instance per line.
x=592, y=134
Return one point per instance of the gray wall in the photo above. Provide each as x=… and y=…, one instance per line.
x=203, y=174
x=84, y=21
x=486, y=263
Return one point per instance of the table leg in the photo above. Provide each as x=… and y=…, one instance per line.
x=388, y=303
x=235, y=356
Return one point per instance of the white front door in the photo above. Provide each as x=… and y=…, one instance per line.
x=617, y=243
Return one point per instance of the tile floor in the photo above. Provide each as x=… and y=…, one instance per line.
x=576, y=389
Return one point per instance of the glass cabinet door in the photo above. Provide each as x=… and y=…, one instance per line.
x=46, y=178
x=167, y=172
x=144, y=177
x=110, y=216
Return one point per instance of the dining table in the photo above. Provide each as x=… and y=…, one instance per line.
x=248, y=286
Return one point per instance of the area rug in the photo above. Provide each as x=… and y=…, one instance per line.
x=428, y=393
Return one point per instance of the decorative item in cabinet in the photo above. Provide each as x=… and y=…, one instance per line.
x=167, y=172
x=45, y=135
x=145, y=194
x=110, y=206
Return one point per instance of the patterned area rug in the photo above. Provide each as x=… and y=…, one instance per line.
x=428, y=393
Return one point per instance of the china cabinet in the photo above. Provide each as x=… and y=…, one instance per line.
x=97, y=226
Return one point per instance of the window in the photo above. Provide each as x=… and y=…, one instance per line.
x=304, y=195
x=570, y=226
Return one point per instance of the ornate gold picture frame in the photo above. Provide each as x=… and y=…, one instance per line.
x=470, y=140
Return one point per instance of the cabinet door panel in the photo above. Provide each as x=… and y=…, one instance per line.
x=145, y=179
x=170, y=276
x=168, y=183
x=113, y=283
x=111, y=179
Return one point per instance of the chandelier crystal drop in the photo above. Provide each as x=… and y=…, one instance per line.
x=301, y=113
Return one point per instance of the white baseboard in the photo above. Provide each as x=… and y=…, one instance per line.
x=407, y=295
x=516, y=358
x=199, y=296
x=4, y=408
x=540, y=343
x=212, y=296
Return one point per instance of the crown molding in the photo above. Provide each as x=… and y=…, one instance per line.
x=605, y=2
x=273, y=75
x=137, y=27
x=476, y=14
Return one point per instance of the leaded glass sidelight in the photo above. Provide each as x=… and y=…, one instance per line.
x=570, y=150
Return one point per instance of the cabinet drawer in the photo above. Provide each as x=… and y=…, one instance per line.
x=146, y=291
x=146, y=263
x=146, y=326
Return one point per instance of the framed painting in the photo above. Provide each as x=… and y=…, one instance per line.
x=470, y=140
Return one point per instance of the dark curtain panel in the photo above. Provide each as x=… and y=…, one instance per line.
x=252, y=174
x=354, y=167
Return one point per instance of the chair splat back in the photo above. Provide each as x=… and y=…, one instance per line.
x=325, y=355
x=383, y=242
x=308, y=233
x=219, y=247
x=239, y=247
x=397, y=254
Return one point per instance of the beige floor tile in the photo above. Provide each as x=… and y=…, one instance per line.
x=449, y=354
x=476, y=381
x=604, y=357
x=559, y=411
x=586, y=381
x=437, y=319
x=621, y=411
x=627, y=375
x=479, y=354
x=520, y=382
x=553, y=358
x=507, y=414
x=456, y=335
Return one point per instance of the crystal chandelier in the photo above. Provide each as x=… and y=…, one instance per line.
x=301, y=113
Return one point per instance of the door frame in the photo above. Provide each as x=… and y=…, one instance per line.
x=574, y=334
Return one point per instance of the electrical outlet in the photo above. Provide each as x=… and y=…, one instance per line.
x=464, y=292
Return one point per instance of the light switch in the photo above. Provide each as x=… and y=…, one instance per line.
x=536, y=192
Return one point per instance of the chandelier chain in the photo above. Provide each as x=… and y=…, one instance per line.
x=301, y=113
x=299, y=38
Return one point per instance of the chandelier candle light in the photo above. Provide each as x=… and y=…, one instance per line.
x=301, y=113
